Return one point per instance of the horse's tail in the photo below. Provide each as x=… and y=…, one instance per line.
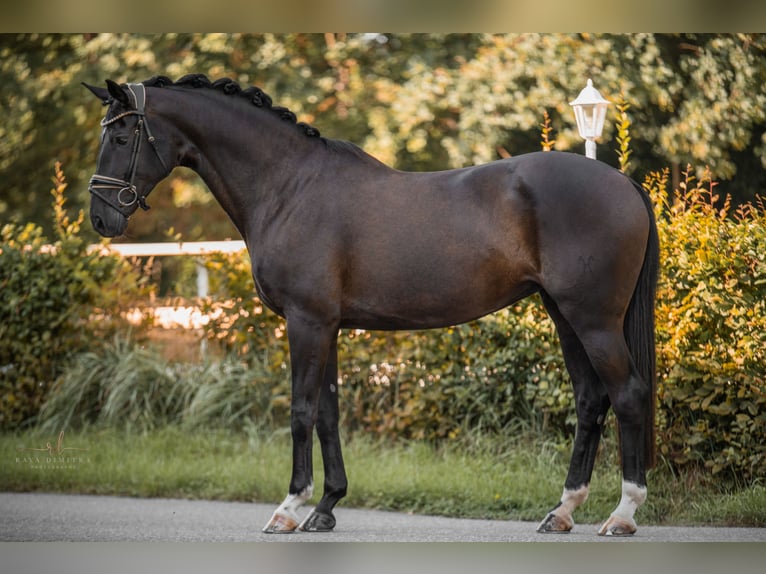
x=639, y=325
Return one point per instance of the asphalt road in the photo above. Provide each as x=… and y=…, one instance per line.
x=33, y=517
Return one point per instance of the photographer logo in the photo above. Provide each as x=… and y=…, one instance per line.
x=53, y=457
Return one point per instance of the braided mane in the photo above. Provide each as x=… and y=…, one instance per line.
x=254, y=95
x=260, y=99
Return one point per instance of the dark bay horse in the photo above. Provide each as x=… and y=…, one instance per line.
x=339, y=240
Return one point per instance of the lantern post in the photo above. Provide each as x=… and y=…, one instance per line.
x=590, y=113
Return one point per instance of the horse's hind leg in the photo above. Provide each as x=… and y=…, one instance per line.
x=591, y=403
x=628, y=393
x=321, y=519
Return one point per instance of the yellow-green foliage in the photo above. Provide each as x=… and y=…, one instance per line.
x=57, y=300
x=492, y=374
x=507, y=368
x=711, y=328
x=622, y=135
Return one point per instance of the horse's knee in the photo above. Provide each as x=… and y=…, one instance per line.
x=327, y=427
x=302, y=419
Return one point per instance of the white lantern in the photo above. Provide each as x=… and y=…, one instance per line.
x=590, y=113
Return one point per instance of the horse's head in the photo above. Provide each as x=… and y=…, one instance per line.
x=130, y=161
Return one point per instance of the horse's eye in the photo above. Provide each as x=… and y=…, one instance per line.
x=120, y=140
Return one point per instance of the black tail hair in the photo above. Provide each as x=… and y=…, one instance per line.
x=639, y=326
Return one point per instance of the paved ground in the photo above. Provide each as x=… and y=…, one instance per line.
x=73, y=518
x=42, y=533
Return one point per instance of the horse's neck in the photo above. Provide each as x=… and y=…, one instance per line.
x=246, y=157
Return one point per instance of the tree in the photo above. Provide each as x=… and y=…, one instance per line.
x=416, y=101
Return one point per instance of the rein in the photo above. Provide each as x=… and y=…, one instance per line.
x=127, y=194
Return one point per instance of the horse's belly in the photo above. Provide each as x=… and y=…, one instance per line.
x=433, y=301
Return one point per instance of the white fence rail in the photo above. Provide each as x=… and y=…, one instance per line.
x=165, y=249
x=172, y=248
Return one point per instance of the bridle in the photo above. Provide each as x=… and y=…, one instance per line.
x=127, y=194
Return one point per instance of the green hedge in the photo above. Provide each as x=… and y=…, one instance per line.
x=494, y=374
x=711, y=329
x=57, y=300
x=507, y=369
x=491, y=375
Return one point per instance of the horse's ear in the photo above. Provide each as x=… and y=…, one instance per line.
x=118, y=93
x=101, y=93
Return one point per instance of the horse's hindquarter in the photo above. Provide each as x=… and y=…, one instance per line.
x=434, y=249
x=592, y=229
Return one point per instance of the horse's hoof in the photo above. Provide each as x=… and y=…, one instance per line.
x=554, y=524
x=318, y=522
x=281, y=524
x=617, y=526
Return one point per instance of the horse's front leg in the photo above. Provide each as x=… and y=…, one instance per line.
x=310, y=343
x=321, y=519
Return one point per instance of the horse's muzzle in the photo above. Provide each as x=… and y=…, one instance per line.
x=113, y=225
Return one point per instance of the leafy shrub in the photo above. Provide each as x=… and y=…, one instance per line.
x=490, y=375
x=503, y=370
x=711, y=329
x=57, y=300
x=127, y=386
x=507, y=369
x=239, y=322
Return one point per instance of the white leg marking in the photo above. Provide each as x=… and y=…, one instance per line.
x=285, y=517
x=633, y=496
x=571, y=499
x=293, y=502
x=621, y=521
x=560, y=518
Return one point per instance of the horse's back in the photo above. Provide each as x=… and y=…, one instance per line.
x=570, y=186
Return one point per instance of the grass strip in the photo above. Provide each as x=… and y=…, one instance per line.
x=519, y=480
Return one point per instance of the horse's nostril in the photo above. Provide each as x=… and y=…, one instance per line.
x=98, y=225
